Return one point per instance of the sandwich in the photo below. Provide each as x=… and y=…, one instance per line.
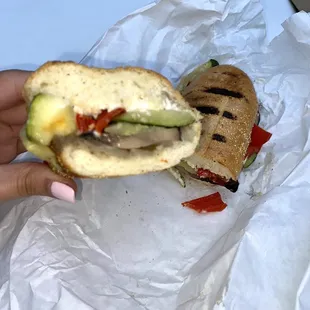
x=226, y=98
x=98, y=123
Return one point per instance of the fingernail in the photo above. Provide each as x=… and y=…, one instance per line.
x=63, y=192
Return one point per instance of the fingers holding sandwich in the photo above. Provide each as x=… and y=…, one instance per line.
x=27, y=179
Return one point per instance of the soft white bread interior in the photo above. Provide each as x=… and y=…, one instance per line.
x=89, y=91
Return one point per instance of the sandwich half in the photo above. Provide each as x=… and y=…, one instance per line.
x=99, y=123
x=227, y=100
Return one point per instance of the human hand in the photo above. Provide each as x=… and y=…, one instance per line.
x=23, y=179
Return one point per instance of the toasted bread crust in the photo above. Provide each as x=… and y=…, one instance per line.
x=226, y=96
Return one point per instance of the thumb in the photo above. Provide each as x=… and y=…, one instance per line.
x=28, y=179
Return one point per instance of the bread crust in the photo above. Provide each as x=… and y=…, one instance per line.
x=227, y=97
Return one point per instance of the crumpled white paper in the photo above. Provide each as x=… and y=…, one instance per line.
x=128, y=243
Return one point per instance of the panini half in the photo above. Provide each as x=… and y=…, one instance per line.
x=226, y=98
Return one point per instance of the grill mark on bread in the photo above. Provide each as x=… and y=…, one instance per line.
x=230, y=74
x=218, y=138
x=223, y=92
x=208, y=110
x=229, y=115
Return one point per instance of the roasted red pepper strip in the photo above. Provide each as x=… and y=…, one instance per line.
x=207, y=174
x=105, y=118
x=85, y=123
x=252, y=150
x=259, y=137
x=211, y=203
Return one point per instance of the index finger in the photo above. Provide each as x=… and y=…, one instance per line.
x=11, y=86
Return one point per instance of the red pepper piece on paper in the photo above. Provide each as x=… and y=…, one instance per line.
x=210, y=203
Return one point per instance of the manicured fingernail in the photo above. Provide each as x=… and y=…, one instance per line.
x=63, y=192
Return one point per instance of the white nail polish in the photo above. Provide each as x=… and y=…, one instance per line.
x=63, y=192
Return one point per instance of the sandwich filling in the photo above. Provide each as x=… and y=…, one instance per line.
x=207, y=175
x=51, y=118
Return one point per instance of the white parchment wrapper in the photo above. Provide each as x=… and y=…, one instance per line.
x=128, y=243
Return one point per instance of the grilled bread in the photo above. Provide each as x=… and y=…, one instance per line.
x=226, y=97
